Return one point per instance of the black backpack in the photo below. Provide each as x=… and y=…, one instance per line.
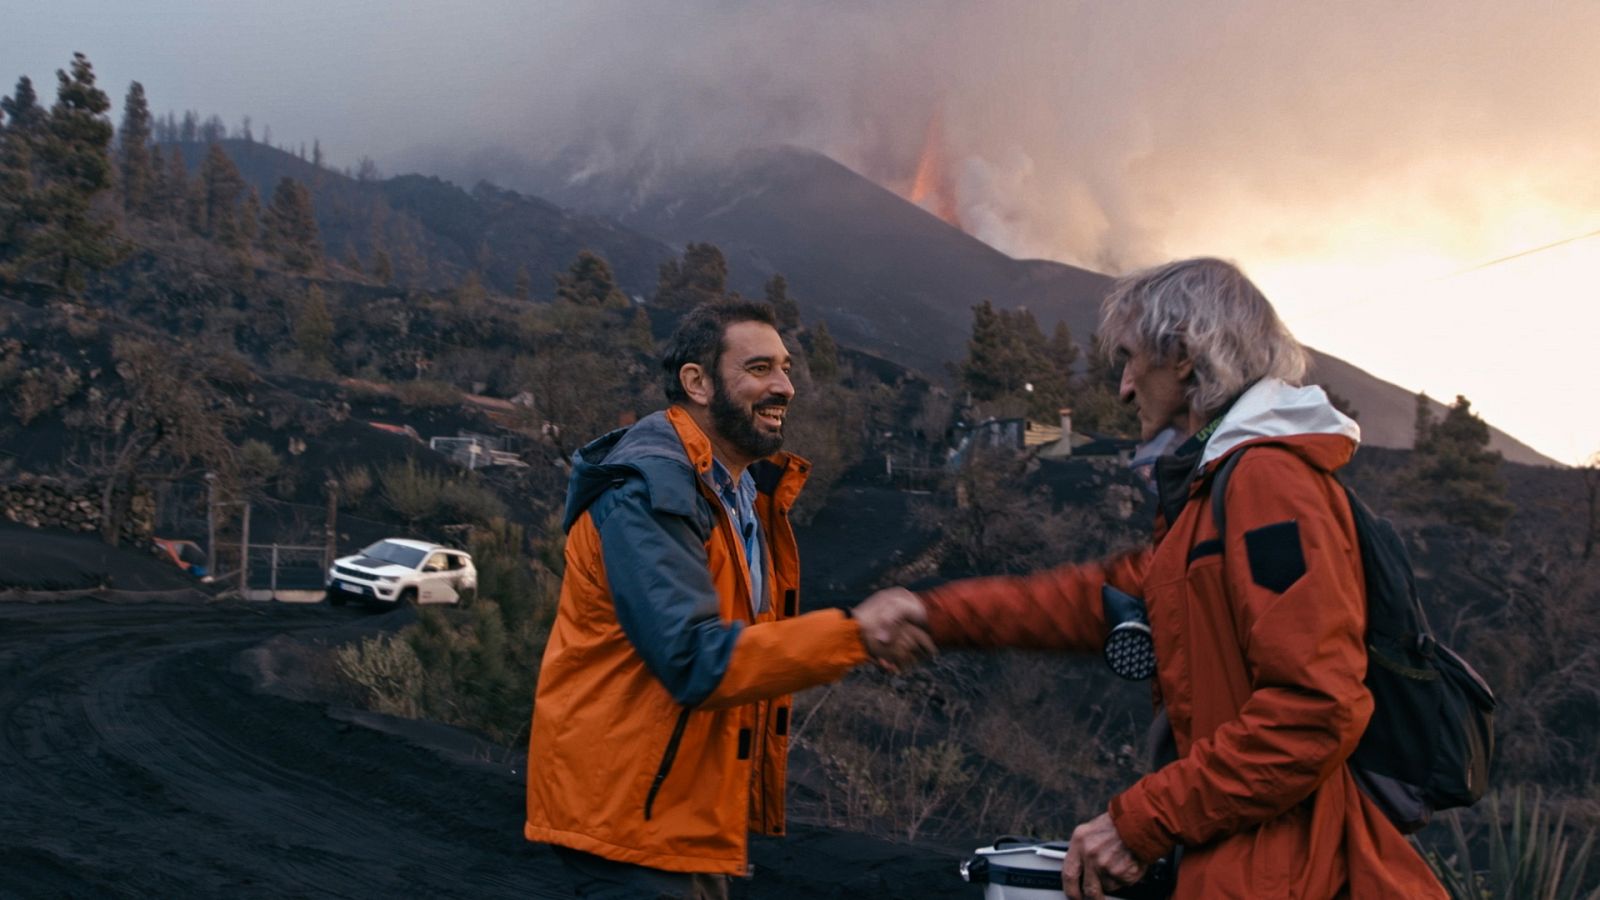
x=1431, y=736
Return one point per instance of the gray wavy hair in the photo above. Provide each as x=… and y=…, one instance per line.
x=1205, y=308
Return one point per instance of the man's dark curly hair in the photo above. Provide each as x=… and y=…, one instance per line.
x=698, y=339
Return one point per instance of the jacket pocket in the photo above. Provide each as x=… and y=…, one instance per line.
x=668, y=756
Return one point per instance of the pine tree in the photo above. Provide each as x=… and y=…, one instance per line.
x=22, y=110
x=639, y=331
x=382, y=268
x=290, y=228
x=250, y=217
x=589, y=282
x=172, y=190
x=1422, y=424
x=701, y=277
x=70, y=167
x=20, y=131
x=222, y=190
x=1052, y=361
x=313, y=328
x=470, y=294
x=994, y=366
x=824, y=356
x=1453, y=474
x=782, y=304
x=213, y=130
x=133, y=152
x=1096, y=400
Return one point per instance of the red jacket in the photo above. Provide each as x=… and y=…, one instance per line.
x=660, y=726
x=1260, y=663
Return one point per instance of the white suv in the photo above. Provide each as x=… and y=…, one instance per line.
x=404, y=572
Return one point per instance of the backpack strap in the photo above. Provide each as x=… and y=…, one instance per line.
x=1219, y=492
x=1376, y=541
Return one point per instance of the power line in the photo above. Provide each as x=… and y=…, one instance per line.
x=1370, y=297
x=1520, y=254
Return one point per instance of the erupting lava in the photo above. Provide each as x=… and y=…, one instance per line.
x=930, y=187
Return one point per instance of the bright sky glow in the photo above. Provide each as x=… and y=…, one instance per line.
x=1517, y=338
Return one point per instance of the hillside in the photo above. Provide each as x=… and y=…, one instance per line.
x=438, y=232
x=884, y=273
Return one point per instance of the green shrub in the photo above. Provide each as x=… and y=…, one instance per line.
x=1530, y=856
x=257, y=461
x=478, y=673
x=424, y=393
x=354, y=485
x=42, y=390
x=418, y=495
x=467, y=501
x=527, y=594
x=411, y=492
x=387, y=671
x=473, y=668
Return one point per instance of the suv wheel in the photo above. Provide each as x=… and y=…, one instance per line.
x=408, y=597
x=465, y=596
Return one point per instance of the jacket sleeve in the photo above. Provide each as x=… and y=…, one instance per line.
x=1056, y=609
x=667, y=605
x=1292, y=573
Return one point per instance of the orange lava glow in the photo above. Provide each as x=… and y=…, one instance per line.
x=930, y=187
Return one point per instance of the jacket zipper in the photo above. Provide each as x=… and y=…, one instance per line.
x=758, y=761
x=667, y=757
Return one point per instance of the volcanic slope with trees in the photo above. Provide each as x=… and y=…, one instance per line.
x=886, y=274
x=172, y=307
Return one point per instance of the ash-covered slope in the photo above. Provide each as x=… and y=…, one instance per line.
x=885, y=274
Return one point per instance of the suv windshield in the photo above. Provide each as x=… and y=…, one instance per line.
x=395, y=553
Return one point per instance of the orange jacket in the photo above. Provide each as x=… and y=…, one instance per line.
x=1260, y=662
x=660, y=725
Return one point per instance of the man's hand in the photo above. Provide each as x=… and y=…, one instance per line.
x=894, y=628
x=1096, y=860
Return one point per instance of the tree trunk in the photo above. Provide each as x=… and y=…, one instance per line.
x=110, y=519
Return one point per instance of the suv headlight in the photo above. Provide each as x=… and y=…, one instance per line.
x=389, y=578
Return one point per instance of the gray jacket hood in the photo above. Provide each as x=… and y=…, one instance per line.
x=1273, y=408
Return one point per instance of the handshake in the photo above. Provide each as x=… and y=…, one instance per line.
x=894, y=627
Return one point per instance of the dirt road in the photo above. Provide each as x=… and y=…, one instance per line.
x=140, y=759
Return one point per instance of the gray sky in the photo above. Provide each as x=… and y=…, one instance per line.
x=1353, y=156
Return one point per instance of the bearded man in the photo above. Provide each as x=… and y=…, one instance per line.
x=661, y=722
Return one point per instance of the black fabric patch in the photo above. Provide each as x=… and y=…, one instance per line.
x=744, y=743
x=791, y=603
x=781, y=728
x=1212, y=547
x=766, y=475
x=1276, y=561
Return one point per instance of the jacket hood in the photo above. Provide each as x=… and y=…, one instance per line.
x=649, y=447
x=1301, y=418
x=670, y=452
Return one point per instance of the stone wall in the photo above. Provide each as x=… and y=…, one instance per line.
x=52, y=503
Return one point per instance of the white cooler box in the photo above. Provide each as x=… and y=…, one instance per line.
x=1029, y=869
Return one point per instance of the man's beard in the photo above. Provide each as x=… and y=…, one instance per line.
x=737, y=426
